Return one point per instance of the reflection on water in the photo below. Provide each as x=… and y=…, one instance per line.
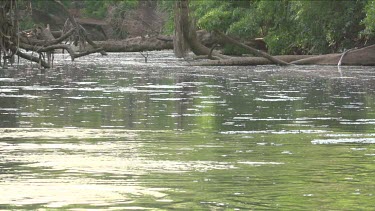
x=115, y=133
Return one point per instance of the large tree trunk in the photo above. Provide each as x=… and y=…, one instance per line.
x=189, y=35
x=180, y=42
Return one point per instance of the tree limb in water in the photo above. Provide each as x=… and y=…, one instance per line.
x=68, y=48
x=254, y=51
x=79, y=29
x=47, y=42
x=33, y=59
x=363, y=56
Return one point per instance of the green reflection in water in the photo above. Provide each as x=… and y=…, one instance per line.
x=125, y=135
x=269, y=172
x=171, y=170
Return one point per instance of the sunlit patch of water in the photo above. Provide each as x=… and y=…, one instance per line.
x=58, y=193
x=344, y=140
x=276, y=132
x=278, y=98
x=125, y=135
x=25, y=96
x=10, y=80
x=63, y=133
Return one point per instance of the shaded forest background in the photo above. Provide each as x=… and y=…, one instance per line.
x=287, y=27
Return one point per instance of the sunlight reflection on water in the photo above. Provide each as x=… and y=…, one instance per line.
x=115, y=133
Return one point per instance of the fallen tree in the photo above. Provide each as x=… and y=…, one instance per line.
x=357, y=57
x=43, y=42
x=363, y=56
x=39, y=40
x=186, y=33
x=137, y=44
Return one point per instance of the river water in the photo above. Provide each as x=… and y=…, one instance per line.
x=116, y=133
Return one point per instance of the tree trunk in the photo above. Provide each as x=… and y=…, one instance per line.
x=180, y=44
x=189, y=32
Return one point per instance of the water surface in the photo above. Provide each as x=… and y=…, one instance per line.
x=115, y=133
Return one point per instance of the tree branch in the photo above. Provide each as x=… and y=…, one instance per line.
x=47, y=42
x=252, y=50
x=80, y=30
x=33, y=58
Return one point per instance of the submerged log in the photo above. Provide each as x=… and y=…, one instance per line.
x=358, y=57
x=363, y=56
x=249, y=61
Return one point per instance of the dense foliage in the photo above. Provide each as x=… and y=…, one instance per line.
x=292, y=26
x=288, y=27
x=369, y=21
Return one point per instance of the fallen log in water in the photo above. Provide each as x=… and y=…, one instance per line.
x=136, y=44
x=164, y=42
x=244, y=61
x=358, y=57
x=363, y=56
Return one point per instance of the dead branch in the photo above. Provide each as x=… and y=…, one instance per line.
x=33, y=41
x=87, y=52
x=40, y=40
x=81, y=32
x=33, y=59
